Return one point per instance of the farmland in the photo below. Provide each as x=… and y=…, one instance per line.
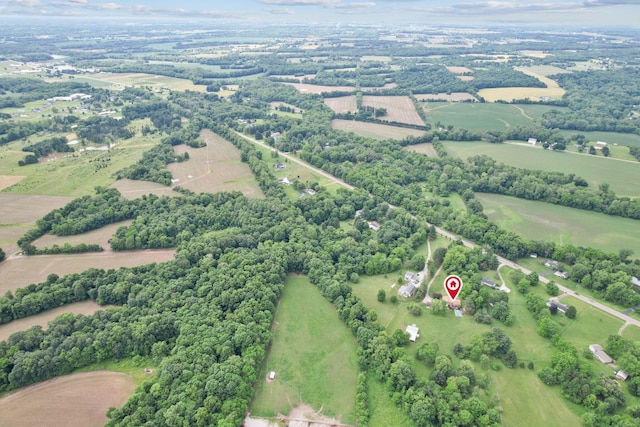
x=317, y=89
x=319, y=372
x=450, y=97
x=342, y=104
x=118, y=81
x=132, y=189
x=214, y=168
x=596, y=170
x=426, y=148
x=543, y=221
x=42, y=319
x=79, y=400
x=374, y=130
x=20, y=271
x=101, y=237
x=399, y=108
x=483, y=117
x=552, y=91
x=628, y=139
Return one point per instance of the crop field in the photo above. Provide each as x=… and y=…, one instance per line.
x=119, y=81
x=399, y=108
x=43, y=319
x=449, y=97
x=79, y=400
x=458, y=70
x=313, y=355
x=483, y=117
x=20, y=271
x=342, y=104
x=375, y=58
x=132, y=189
x=620, y=175
x=535, y=53
x=74, y=175
x=547, y=70
x=374, y=130
x=552, y=91
x=317, y=89
x=101, y=237
x=560, y=224
x=628, y=139
x=9, y=180
x=426, y=148
x=214, y=168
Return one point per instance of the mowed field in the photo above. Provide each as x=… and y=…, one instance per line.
x=313, y=355
x=121, y=80
x=483, y=117
x=560, y=224
x=620, y=175
x=43, y=319
x=214, y=168
x=374, y=130
x=317, y=89
x=79, y=400
x=18, y=214
x=552, y=91
x=20, y=271
x=628, y=139
x=342, y=104
x=101, y=237
x=450, y=97
x=426, y=148
x=399, y=108
x=132, y=189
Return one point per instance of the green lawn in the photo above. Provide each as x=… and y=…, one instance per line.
x=621, y=176
x=313, y=354
x=483, y=117
x=628, y=139
x=631, y=332
x=544, y=221
x=381, y=409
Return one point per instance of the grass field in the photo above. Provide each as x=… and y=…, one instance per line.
x=20, y=271
x=399, y=108
x=118, y=81
x=560, y=224
x=381, y=409
x=43, y=319
x=79, y=400
x=76, y=174
x=628, y=139
x=426, y=148
x=132, y=189
x=374, y=130
x=342, y=104
x=483, y=117
x=632, y=333
x=454, y=96
x=458, y=70
x=214, y=168
x=621, y=176
x=317, y=89
x=314, y=357
x=101, y=237
x=552, y=91
x=547, y=70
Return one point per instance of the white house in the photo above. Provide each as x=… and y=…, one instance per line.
x=412, y=330
x=532, y=141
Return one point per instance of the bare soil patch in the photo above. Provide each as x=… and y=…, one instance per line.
x=20, y=271
x=79, y=400
x=451, y=97
x=132, y=189
x=465, y=78
x=9, y=180
x=426, y=149
x=342, y=104
x=100, y=237
x=303, y=415
x=459, y=70
x=317, y=89
x=399, y=108
x=374, y=130
x=43, y=319
x=214, y=168
x=26, y=209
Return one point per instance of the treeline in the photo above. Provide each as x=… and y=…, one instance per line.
x=153, y=165
x=551, y=187
x=100, y=129
x=14, y=130
x=17, y=91
x=44, y=148
x=67, y=248
x=163, y=115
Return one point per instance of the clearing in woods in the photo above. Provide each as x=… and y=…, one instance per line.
x=43, y=319
x=79, y=400
x=317, y=89
x=101, y=237
x=118, y=81
x=426, y=148
x=374, y=130
x=313, y=354
x=450, y=97
x=560, y=224
x=342, y=104
x=20, y=271
x=399, y=108
x=214, y=168
x=132, y=189
x=621, y=176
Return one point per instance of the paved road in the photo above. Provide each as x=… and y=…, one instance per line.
x=465, y=242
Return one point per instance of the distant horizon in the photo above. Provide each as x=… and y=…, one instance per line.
x=552, y=13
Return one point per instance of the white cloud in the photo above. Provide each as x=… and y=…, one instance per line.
x=27, y=3
x=280, y=11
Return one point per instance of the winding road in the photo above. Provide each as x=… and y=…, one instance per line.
x=600, y=306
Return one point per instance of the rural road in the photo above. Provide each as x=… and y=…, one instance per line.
x=467, y=243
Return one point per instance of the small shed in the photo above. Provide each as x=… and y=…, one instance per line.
x=412, y=330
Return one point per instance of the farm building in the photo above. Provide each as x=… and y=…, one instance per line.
x=635, y=281
x=532, y=141
x=412, y=330
x=622, y=375
x=374, y=225
x=601, y=144
x=407, y=290
x=561, y=307
x=599, y=353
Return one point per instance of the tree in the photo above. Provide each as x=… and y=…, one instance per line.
x=605, y=151
x=382, y=295
x=552, y=289
x=2, y=255
x=427, y=353
x=393, y=299
x=533, y=278
x=571, y=312
x=417, y=262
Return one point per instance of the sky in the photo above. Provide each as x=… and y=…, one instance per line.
x=467, y=12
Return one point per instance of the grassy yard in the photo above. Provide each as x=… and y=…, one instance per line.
x=621, y=176
x=560, y=224
x=382, y=410
x=628, y=139
x=314, y=357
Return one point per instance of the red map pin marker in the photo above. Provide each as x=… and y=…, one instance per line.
x=453, y=286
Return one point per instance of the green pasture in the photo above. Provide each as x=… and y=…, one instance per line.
x=544, y=221
x=135, y=367
x=628, y=139
x=591, y=326
x=313, y=354
x=381, y=408
x=75, y=175
x=483, y=117
x=621, y=176
x=631, y=332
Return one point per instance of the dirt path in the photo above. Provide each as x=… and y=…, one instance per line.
x=525, y=115
x=503, y=287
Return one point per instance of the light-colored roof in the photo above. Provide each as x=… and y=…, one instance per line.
x=412, y=330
